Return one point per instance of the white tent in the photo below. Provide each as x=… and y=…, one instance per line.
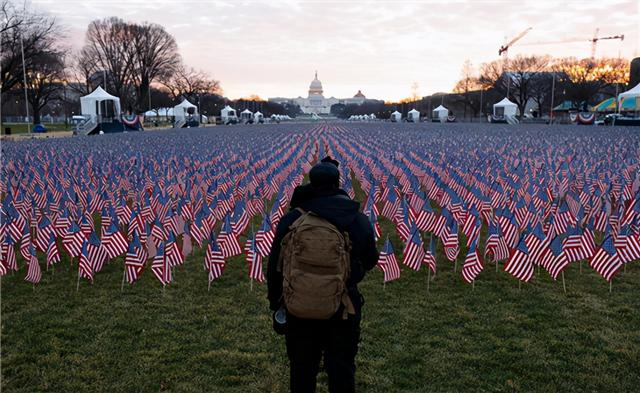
x=373, y=117
x=396, y=117
x=414, y=116
x=505, y=108
x=258, y=117
x=180, y=110
x=246, y=116
x=633, y=92
x=628, y=95
x=228, y=114
x=440, y=113
x=91, y=104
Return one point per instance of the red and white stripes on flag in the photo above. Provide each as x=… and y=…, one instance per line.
x=135, y=259
x=519, y=264
x=413, y=253
x=388, y=263
x=161, y=267
x=254, y=260
x=472, y=264
x=34, y=274
x=114, y=242
x=214, y=259
x=606, y=260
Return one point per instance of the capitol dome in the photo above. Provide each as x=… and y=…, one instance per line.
x=315, y=88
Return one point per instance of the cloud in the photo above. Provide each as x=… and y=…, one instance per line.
x=272, y=47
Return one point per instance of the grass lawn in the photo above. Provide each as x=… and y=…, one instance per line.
x=491, y=337
x=21, y=128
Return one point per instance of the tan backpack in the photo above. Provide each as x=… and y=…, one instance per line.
x=315, y=263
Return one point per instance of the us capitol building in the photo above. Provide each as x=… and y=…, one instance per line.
x=316, y=102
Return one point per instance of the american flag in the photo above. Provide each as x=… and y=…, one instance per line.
x=73, y=239
x=172, y=252
x=472, y=264
x=555, y=261
x=114, y=241
x=627, y=244
x=495, y=247
x=135, y=259
x=450, y=240
x=606, y=261
x=9, y=254
x=228, y=241
x=53, y=255
x=264, y=237
x=430, y=255
x=413, y=254
x=519, y=264
x=254, y=259
x=85, y=267
x=388, y=263
x=214, y=258
x=97, y=254
x=161, y=267
x=34, y=274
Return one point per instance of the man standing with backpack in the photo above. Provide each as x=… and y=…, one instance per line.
x=321, y=250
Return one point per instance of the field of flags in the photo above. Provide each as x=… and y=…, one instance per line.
x=523, y=197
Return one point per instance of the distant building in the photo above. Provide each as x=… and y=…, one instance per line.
x=316, y=102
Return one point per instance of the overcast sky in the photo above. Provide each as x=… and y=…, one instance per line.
x=272, y=48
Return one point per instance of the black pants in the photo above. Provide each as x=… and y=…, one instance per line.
x=308, y=340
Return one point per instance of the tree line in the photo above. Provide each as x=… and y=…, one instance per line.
x=541, y=81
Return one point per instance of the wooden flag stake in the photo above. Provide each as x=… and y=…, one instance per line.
x=564, y=285
x=78, y=282
x=610, y=285
x=580, y=267
x=496, y=266
x=250, y=285
x=455, y=265
x=124, y=273
x=209, y=286
x=473, y=286
x=428, y=278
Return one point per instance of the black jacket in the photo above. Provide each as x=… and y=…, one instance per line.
x=341, y=211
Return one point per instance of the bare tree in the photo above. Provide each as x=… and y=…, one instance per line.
x=514, y=78
x=108, y=46
x=155, y=55
x=586, y=78
x=44, y=82
x=187, y=82
x=468, y=83
x=20, y=28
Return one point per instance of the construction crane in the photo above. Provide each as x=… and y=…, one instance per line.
x=595, y=39
x=504, y=49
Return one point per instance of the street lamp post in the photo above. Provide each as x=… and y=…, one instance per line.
x=24, y=78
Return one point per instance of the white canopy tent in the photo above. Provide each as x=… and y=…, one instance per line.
x=373, y=117
x=228, y=114
x=258, y=117
x=180, y=110
x=440, y=113
x=92, y=104
x=396, y=116
x=414, y=116
x=633, y=93
x=246, y=115
x=505, y=108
